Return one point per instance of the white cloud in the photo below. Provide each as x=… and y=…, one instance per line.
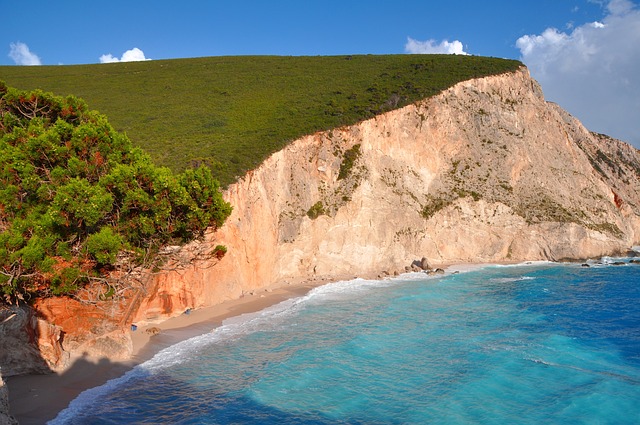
x=133, y=55
x=593, y=71
x=429, y=47
x=108, y=59
x=21, y=55
x=620, y=7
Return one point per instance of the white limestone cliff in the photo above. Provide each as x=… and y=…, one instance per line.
x=486, y=171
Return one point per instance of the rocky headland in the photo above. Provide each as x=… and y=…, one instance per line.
x=486, y=171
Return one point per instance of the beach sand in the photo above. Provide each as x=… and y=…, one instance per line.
x=36, y=399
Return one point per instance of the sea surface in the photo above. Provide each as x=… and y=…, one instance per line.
x=528, y=344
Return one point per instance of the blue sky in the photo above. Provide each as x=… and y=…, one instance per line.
x=585, y=53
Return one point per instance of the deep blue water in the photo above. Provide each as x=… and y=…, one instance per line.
x=528, y=344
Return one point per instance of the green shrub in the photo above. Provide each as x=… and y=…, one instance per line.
x=104, y=246
x=316, y=210
x=219, y=251
x=74, y=192
x=69, y=280
x=433, y=205
x=348, y=161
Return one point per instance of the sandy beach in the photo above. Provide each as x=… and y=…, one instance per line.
x=36, y=399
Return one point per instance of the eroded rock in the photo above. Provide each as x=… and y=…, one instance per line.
x=19, y=342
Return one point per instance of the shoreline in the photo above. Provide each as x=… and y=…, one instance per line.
x=36, y=399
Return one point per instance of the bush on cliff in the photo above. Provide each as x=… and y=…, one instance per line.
x=74, y=193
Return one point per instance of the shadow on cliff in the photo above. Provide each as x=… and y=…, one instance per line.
x=35, y=399
x=19, y=349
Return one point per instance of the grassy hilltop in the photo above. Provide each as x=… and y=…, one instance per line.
x=232, y=112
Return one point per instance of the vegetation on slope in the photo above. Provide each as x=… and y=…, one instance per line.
x=75, y=194
x=233, y=112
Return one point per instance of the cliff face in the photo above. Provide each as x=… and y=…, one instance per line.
x=39, y=340
x=28, y=344
x=486, y=171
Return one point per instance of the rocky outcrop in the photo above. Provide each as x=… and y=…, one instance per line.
x=486, y=171
x=28, y=344
x=39, y=339
x=96, y=330
x=5, y=418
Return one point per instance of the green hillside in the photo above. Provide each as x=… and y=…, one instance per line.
x=232, y=112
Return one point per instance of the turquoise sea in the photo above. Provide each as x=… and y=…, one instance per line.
x=528, y=344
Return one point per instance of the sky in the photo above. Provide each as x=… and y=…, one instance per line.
x=584, y=53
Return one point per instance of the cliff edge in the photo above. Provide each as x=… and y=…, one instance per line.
x=486, y=171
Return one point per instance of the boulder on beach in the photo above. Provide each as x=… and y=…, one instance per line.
x=419, y=265
x=153, y=330
x=424, y=264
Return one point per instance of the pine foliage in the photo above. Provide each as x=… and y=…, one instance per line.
x=74, y=194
